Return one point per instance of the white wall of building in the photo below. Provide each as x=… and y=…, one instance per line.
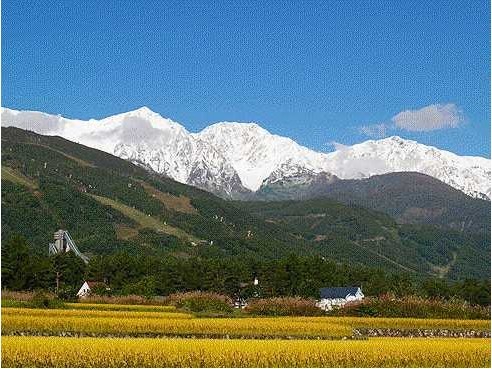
x=84, y=290
x=330, y=303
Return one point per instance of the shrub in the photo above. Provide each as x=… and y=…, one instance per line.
x=278, y=306
x=414, y=307
x=100, y=289
x=43, y=300
x=68, y=294
x=13, y=303
x=121, y=300
x=198, y=301
x=30, y=299
x=17, y=295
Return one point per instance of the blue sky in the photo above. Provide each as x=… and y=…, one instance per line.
x=319, y=72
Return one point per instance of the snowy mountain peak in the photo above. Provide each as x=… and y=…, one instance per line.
x=395, y=154
x=141, y=118
x=396, y=139
x=233, y=157
x=143, y=113
x=144, y=110
x=255, y=153
x=226, y=125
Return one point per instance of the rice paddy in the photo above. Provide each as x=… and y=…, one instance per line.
x=110, y=335
x=138, y=352
x=88, y=322
x=119, y=307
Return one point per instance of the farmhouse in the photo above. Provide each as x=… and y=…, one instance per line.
x=88, y=286
x=246, y=289
x=331, y=297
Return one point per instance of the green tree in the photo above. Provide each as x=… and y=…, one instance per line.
x=144, y=287
x=68, y=271
x=16, y=263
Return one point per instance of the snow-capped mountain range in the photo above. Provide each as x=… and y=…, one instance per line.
x=230, y=158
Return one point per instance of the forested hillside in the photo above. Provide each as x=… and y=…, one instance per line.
x=408, y=197
x=354, y=234
x=110, y=206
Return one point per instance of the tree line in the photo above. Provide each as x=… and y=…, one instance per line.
x=151, y=275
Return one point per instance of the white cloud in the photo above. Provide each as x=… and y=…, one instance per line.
x=429, y=118
x=375, y=130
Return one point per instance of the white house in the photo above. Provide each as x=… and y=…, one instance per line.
x=240, y=301
x=338, y=296
x=87, y=287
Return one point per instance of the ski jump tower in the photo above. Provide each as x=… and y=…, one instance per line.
x=64, y=243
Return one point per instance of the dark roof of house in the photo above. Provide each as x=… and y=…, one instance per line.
x=337, y=292
x=93, y=284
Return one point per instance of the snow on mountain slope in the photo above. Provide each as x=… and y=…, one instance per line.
x=289, y=176
x=135, y=127
x=255, y=153
x=229, y=158
x=259, y=156
x=145, y=138
x=394, y=154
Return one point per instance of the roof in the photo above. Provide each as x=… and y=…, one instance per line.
x=93, y=284
x=337, y=292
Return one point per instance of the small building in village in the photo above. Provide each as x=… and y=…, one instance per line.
x=332, y=297
x=246, y=290
x=89, y=286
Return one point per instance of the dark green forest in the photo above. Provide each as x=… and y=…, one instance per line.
x=154, y=276
x=408, y=197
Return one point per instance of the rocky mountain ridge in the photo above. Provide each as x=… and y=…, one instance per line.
x=233, y=159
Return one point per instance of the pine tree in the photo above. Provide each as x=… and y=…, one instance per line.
x=16, y=264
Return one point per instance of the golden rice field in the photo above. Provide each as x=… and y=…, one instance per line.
x=61, y=321
x=120, y=314
x=145, y=352
x=403, y=323
x=108, y=321
x=119, y=307
x=142, y=323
